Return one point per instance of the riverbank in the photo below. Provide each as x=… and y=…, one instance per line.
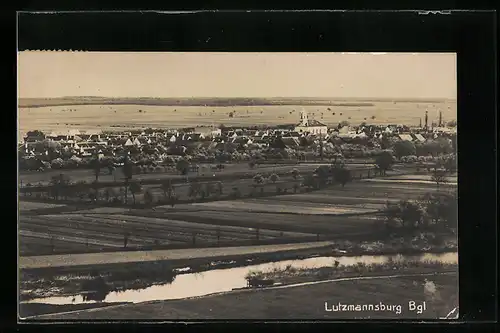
x=40, y=309
x=290, y=275
x=306, y=302
x=37, y=283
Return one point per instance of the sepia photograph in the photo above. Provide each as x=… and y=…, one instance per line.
x=252, y=185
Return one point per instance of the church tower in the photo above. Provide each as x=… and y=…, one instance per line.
x=304, y=119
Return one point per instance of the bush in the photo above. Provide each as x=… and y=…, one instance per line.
x=274, y=178
x=404, y=148
x=58, y=163
x=384, y=161
x=258, y=179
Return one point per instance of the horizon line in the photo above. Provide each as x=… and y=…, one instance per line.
x=241, y=97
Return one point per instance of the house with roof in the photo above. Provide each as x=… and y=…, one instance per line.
x=128, y=143
x=232, y=134
x=346, y=132
x=141, y=141
x=405, y=137
x=444, y=130
x=277, y=143
x=196, y=137
x=92, y=134
x=312, y=126
x=389, y=130
x=206, y=131
x=57, y=136
x=418, y=137
x=241, y=140
x=250, y=132
x=291, y=142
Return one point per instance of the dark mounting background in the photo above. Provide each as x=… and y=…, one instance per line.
x=471, y=35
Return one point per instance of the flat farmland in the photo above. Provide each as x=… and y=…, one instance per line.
x=338, y=211
x=286, y=222
x=291, y=205
x=121, y=117
x=229, y=170
x=103, y=232
x=331, y=210
x=245, y=185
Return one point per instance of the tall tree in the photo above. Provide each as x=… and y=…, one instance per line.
x=438, y=176
x=96, y=167
x=258, y=182
x=182, y=166
x=167, y=189
x=135, y=188
x=342, y=175
x=384, y=161
x=209, y=188
x=194, y=189
x=220, y=187
x=323, y=173
x=58, y=185
x=404, y=148
x=148, y=197
x=128, y=173
x=274, y=178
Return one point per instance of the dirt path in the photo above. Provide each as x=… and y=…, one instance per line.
x=141, y=256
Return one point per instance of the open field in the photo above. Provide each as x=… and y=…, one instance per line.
x=272, y=205
x=331, y=212
x=298, y=302
x=314, y=211
x=102, y=232
x=230, y=170
x=245, y=185
x=120, y=117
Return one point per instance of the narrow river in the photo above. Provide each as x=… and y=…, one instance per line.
x=223, y=280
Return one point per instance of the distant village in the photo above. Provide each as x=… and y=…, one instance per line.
x=306, y=140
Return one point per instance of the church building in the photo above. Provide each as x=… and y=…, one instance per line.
x=312, y=126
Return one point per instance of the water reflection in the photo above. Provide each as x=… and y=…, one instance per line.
x=222, y=280
x=96, y=290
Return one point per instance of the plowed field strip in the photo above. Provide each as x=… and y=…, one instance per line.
x=212, y=229
x=58, y=232
x=69, y=239
x=67, y=234
x=131, y=222
x=277, y=218
x=137, y=230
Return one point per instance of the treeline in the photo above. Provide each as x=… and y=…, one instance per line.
x=64, y=101
x=432, y=211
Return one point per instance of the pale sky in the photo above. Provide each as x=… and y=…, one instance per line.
x=133, y=74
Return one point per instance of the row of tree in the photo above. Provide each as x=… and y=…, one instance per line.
x=428, y=148
x=438, y=209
